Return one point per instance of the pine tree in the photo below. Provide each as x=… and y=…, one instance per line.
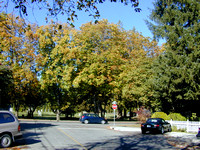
x=177, y=71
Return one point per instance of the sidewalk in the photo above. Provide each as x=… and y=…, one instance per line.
x=125, y=128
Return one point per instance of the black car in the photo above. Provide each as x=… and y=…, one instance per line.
x=157, y=125
x=92, y=118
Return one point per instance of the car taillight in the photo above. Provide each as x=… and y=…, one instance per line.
x=19, y=128
x=156, y=125
x=83, y=117
x=142, y=125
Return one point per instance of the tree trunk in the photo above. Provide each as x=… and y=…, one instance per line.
x=131, y=114
x=125, y=114
x=57, y=115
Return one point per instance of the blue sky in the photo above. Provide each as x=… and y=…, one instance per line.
x=113, y=12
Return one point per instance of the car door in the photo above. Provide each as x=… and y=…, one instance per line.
x=92, y=118
x=97, y=119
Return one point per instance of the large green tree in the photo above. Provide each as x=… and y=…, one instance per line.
x=177, y=71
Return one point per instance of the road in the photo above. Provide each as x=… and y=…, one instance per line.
x=51, y=135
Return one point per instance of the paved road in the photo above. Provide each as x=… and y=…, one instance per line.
x=52, y=135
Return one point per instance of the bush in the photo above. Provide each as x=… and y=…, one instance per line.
x=177, y=117
x=143, y=114
x=175, y=129
x=160, y=115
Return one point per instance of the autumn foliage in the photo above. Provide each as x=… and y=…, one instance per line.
x=76, y=69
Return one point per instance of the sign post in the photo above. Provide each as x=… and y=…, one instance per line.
x=114, y=106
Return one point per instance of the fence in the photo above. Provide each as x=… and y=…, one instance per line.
x=190, y=126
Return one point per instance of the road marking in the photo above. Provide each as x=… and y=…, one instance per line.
x=72, y=138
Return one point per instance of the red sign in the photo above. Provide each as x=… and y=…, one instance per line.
x=114, y=106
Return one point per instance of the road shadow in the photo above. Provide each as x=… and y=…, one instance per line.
x=34, y=125
x=30, y=136
x=133, y=142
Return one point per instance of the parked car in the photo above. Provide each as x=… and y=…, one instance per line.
x=158, y=125
x=10, y=128
x=92, y=118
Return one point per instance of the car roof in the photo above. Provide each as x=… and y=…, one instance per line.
x=155, y=119
x=88, y=113
x=5, y=111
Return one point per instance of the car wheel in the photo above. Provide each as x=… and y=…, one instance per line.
x=143, y=131
x=162, y=130
x=86, y=121
x=103, y=121
x=170, y=129
x=6, y=140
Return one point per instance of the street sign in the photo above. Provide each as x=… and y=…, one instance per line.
x=114, y=106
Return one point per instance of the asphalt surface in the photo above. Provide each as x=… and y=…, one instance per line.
x=53, y=135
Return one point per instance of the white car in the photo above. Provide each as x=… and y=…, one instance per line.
x=9, y=128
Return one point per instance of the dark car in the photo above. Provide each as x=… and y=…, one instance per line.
x=157, y=125
x=92, y=118
x=9, y=128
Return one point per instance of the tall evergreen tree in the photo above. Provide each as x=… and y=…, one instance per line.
x=177, y=72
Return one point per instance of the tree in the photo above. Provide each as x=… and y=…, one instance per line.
x=33, y=97
x=63, y=7
x=54, y=48
x=6, y=86
x=18, y=50
x=133, y=80
x=98, y=57
x=176, y=72
x=111, y=63
x=11, y=55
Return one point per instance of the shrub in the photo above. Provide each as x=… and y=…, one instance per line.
x=177, y=117
x=160, y=115
x=143, y=114
x=175, y=129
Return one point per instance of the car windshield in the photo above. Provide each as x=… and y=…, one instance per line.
x=152, y=120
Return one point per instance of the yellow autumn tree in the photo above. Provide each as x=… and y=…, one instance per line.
x=18, y=50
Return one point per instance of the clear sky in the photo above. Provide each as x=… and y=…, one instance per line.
x=113, y=12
